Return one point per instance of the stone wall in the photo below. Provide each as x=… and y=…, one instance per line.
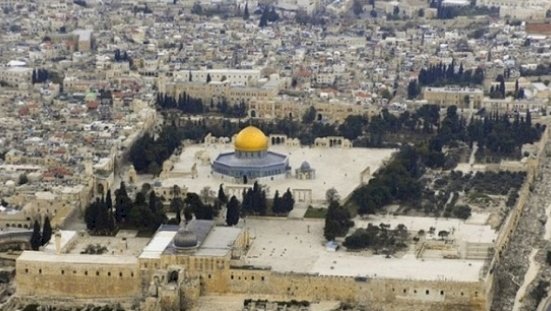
x=511, y=222
x=77, y=280
x=384, y=293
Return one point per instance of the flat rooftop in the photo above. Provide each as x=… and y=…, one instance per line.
x=38, y=256
x=159, y=243
x=298, y=246
x=219, y=241
x=335, y=168
x=123, y=244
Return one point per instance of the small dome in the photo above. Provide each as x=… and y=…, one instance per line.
x=251, y=139
x=305, y=166
x=185, y=239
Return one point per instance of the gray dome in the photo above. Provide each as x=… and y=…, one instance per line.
x=305, y=166
x=185, y=239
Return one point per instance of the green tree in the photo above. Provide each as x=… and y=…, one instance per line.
x=123, y=204
x=232, y=214
x=246, y=14
x=23, y=179
x=199, y=209
x=413, y=89
x=208, y=78
x=46, y=231
x=176, y=205
x=263, y=19
x=221, y=195
x=331, y=195
x=108, y=200
x=277, y=207
x=91, y=214
x=337, y=221
x=102, y=219
x=353, y=126
x=288, y=201
x=357, y=7
x=310, y=115
x=36, y=238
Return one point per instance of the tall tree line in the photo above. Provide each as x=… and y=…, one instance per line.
x=145, y=212
x=441, y=74
x=39, y=75
x=39, y=238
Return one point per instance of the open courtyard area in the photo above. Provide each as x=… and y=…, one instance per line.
x=338, y=168
x=298, y=246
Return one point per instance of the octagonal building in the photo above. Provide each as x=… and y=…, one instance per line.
x=251, y=159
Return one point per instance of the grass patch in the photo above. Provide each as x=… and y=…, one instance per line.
x=313, y=212
x=478, y=197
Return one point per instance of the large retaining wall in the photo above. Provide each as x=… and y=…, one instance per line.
x=77, y=280
x=511, y=222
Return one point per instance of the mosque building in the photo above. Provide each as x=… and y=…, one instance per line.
x=251, y=159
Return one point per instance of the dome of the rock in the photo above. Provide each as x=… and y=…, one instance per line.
x=251, y=139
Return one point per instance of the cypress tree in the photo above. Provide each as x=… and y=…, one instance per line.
x=36, y=238
x=246, y=11
x=262, y=204
x=153, y=201
x=108, y=200
x=232, y=213
x=102, y=219
x=91, y=214
x=208, y=78
x=288, y=201
x=178, y=217
x=46, y=231
x=221, y=195
x=264, y=19
x=123, y=203
x=276, y=204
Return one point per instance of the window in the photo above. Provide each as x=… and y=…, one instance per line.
x=231, y=277
x=427, y=292
x=442, y=292
x=85, y=272
x=120, y=274
x=26, y=270
x=108, y=273
x=40, y=271
x=262, y=278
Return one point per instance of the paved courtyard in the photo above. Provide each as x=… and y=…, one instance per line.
x=290, y=245
x=338, y=168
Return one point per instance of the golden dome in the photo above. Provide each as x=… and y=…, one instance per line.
x=251, y=139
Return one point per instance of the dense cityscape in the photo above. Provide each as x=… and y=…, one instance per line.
x=275, y=155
